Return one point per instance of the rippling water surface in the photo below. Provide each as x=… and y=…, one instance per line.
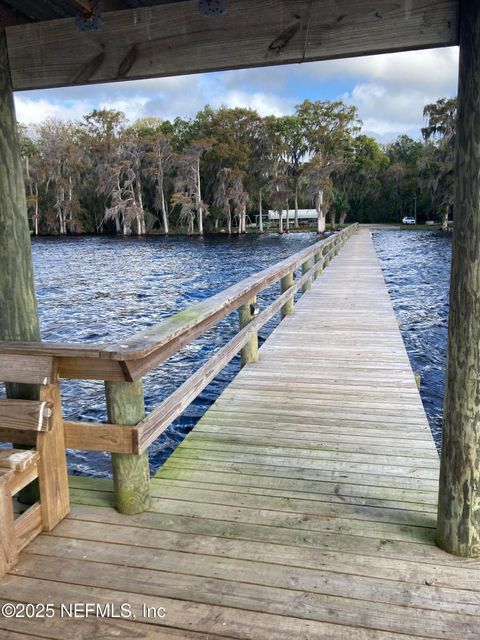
x=103, y=289
x=416, y=266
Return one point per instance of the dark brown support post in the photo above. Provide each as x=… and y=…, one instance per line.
x=18, y=306
x=285, y=284
x=249, y=353
x=459, y=495
x=131, y=475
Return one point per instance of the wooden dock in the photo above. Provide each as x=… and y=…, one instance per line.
x=303, y=504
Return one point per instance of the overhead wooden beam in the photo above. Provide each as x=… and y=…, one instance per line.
x=173, y=39
x=83, y=5
x=9, y=17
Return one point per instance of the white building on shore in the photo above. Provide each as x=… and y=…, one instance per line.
x=304, y=215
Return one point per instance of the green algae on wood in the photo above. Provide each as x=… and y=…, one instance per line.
x=131, y=475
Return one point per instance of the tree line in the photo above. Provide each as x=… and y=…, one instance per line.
x=227, y=166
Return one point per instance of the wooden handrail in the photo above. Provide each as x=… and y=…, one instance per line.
x=156, y=422
x=130, y=359
x=118, y=438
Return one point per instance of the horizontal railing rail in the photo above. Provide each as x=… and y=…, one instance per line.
x=146, y=349
x=126, y=362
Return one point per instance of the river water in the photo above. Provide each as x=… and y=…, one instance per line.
x=416, y=267
x=103, y=289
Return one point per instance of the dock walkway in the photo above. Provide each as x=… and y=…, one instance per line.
x=302, y=505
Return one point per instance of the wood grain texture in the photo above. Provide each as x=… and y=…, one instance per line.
x=19, y=316
x=18, y=459
x=21, y=479
x=92, y=436
x=88, y=368
x=28, y=526
x=52, y=465
x=248, y=353
x=285, y=283
x=8, y=549
x=27, y=369
x=175, y=39
x=131, y=473
x=459, y=496
x=306, y=266
x=25, y=415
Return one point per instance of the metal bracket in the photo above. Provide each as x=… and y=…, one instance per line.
x=89, y=19
x=254, y=310
x=212, y=7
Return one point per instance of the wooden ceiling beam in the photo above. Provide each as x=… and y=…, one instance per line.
x=174, y=39
x=8, y=17
x=83, y=5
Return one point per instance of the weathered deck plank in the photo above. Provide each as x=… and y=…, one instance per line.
x=303, y=505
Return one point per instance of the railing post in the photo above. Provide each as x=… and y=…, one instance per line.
x=131, y=475
x=249, y=352
x=285, y=284
x=306, y=266
x=318, y=257
x=328, y=256
x=338, y=245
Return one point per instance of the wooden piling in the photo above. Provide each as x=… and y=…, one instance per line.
x=18, y=305
x=131, y=475
x=285, y=284
x=318, y=257
x=459, y=494
x=249, y=352
x=18, y=316
x=306, y=266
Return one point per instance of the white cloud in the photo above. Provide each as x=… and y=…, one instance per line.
x=389, y=90
x=34, y=110
x=132, y=107
x=264, y=103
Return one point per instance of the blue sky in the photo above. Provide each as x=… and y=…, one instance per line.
x=389, y=90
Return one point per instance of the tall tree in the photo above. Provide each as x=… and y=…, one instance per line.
x=295, y=146
x=358, y=177
x=188, y=188
x=61, y=159
x=319, y=187
x=329, y=128
x=439, y=160
x=33, y=175
x=280, y=194
x=239, y=199
x=133, y=149
x=159, y=157
x=99, y=136
x=222, y=196
x=266, y=143
x=118, y=185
